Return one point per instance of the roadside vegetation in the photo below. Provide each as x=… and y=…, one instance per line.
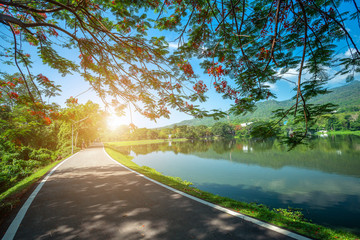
x=29, y=142
x=291, y=219
x=12, y=197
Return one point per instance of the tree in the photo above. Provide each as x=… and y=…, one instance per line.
x=243, y=45
x=115, y=56
x=164, y=133
x=22, y=124
x=247, y=45
x=191, y=133
x=83, y=120
x=202, y=131
x=355, y=126
x=152, y=134
x=222, y=129
x=140, y=134
x=347, y=122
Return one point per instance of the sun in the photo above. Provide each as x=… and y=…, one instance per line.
x=114, y=121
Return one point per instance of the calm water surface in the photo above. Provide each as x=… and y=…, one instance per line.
x=323, y=179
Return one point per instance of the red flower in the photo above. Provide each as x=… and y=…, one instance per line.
x=72, y=100
x=216, y=71
x=43, y=15
x=13, y=95
x=47, y=120
x=54, y=32
x=43, y=78
x=200, y=87
x=10, y=84
x=187, y=68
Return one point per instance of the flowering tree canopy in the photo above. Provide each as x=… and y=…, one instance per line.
x=247, y=45
x=116, y=56
x=243, y=45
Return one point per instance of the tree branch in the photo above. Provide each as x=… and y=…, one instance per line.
x=18, y=5
x=275, y=34
x=302, y=65
x=338, y=23
x=9, y=19
x=16, y=62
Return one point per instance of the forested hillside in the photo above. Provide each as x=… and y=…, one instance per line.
x=346, y=97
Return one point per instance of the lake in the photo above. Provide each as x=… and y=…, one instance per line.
x=322, y=178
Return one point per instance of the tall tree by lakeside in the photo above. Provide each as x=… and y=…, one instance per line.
x=243, y=45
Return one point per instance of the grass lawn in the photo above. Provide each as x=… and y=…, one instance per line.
x=286, y=218
x=357, y=133
x=142, y=142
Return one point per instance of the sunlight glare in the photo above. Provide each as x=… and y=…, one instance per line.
x=115, y=121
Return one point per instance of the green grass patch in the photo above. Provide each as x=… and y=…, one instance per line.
x=357, y=133
x=143, y=142
x=291, y=219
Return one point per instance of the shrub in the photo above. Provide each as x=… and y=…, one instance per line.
x=65, y=151
x=4, y=182
x=25, y=153
x=9, y=157
x=42, y=155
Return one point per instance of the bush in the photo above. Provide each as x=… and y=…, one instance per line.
x=65, y=151
x=33, y=164
x=4, y=182
x=18, y=163
x=42, y=155
x=15, y=171
x=8, y=157
x=11, y=172
x=25, y=153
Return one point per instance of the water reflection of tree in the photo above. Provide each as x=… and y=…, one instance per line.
x=336, y=155
x=146, y=148
x=122, y=149
x=333, y=143
x=263, y=145
x=223, y=146
x=192, y=146
x=177, y=147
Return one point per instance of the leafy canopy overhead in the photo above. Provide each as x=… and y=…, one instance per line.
x=244, y=45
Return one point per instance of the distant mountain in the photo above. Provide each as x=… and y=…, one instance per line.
x=345, y=97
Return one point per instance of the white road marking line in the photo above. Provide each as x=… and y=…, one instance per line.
x=11, y=231
x=233, y=213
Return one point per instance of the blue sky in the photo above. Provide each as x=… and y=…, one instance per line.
x=73, y=85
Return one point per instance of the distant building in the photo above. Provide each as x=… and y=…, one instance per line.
x=245, y=124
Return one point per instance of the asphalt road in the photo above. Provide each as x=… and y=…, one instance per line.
x=91, y=197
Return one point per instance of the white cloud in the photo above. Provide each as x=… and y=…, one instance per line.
x=345, y=54
x=341, y=79
x=337, y=80
x=291, y=76
x=349, y=52
x=173, y=45
x=272, y=86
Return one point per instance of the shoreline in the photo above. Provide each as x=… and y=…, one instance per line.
x=286, y=218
